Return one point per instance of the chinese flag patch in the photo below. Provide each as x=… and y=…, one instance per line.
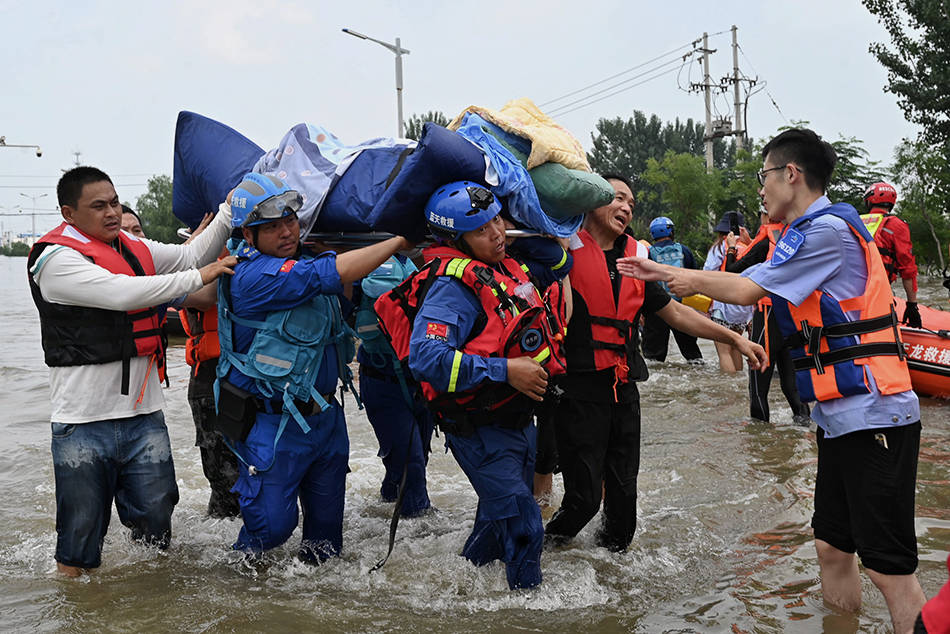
x=437, y=330
x=287, y=265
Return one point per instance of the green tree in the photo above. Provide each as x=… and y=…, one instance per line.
x=154, y=207
x=679, y=182
x=918, y=65
x=923, y=174
x=416, y=121
x=16, y=250
x=853, y=172
x=624, y=146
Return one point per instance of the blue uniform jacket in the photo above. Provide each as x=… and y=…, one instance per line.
x=441, y=327
x=262, y=284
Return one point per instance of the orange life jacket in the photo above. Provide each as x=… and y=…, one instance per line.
x=510, y=326
x=832, y=354
x=201, y=326
x=613, y=331
x=80, y=335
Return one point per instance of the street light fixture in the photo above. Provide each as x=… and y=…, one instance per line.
x=399, y=51
x=3, y=143
x=34, y=198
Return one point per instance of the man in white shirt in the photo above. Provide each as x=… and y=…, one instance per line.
x=97, y=289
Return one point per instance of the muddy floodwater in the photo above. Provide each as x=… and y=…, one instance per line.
x=723, y=542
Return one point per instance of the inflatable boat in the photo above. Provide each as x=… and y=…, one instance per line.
x=928, y=351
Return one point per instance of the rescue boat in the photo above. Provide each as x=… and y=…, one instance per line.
x=928, y=351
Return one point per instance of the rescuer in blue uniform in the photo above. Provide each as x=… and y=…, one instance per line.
x=394, y=406
x=283, y=349
x=496, y=446
x=656, y=332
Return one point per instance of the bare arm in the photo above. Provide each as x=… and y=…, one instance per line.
x=359, y=263
x=726, y=287
x=910, y=289
x=204, y=299
x=691, y=322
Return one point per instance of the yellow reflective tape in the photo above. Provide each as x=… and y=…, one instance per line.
x=524, y=267
x=562, y=262
x=454, y=376
x=543, y=355
x=452, y=266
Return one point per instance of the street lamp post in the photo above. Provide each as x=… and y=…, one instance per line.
x=39, y=152
x=34, y=198
x=399, y=51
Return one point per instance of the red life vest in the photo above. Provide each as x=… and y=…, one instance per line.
x=201, y=326
x=79, y=335
x=831, y=353
x=613, y=331
x=510, y=325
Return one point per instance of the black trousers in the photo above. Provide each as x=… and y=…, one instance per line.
x=219, y=464
x=779, y=358
x=599, y=452
x=546, y=460
x=656, y=340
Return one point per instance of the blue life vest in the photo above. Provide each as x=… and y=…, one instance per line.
x=386, y=277
x=286, y=353
x=671, y=254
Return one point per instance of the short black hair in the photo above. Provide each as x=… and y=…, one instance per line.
x=70, y=185
x=807, y=150
x=128, y=210
x=609, y=176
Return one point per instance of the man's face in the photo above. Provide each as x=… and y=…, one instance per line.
x=278, y=238
x=487, y=243
x=614, y=216
x=130, y=224
x=97, y=213
x=775, y=192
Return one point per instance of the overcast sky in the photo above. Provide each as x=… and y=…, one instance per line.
x=108, y=79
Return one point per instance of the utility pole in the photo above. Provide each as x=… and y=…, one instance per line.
x=707, y=88
x=77, y=154
x=739, y=130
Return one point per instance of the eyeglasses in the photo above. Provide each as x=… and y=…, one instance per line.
x=275, y=207
x=761, y=174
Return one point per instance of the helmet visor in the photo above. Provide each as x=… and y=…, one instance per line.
x=275, y=207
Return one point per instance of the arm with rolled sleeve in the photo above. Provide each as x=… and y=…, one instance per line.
x=442, y=326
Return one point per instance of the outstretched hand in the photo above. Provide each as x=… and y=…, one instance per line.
x=213, y=271
x=754, y=354
x=528, y=377
x=644, y=269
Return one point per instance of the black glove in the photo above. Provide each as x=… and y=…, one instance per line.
x=911, y=315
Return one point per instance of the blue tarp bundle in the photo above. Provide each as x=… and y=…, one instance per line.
x=210, y=160
x=380, y=185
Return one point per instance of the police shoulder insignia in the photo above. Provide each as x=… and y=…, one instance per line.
x=788, y=246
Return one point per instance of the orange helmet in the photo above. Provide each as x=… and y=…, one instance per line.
x=880, y=195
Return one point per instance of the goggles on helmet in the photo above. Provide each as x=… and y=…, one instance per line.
x=274, y=208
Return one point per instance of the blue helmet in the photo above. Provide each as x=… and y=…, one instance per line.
x=261, y=198
x=460, y=207
x=661, y=227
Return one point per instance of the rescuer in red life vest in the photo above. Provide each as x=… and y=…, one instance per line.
x=892, y=237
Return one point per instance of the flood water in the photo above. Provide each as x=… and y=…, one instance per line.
x=723, y=542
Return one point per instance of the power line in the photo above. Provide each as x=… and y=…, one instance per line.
x=567, y=106
x=639, y=83
x=771, y=98
x=57, y=176
x=623, y=72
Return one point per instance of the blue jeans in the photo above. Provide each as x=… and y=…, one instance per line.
x=128, y=460
x=310, y=467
